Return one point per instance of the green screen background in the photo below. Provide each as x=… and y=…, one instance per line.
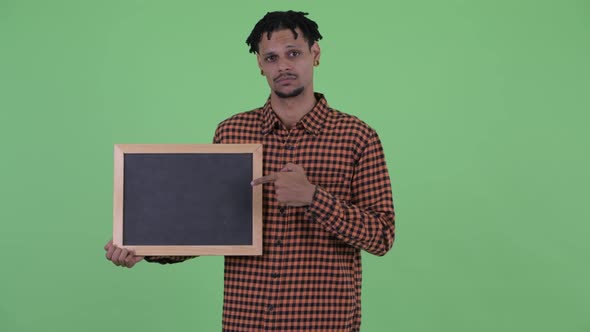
x=482, y=108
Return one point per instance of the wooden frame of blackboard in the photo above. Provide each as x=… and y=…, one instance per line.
x=192, y=249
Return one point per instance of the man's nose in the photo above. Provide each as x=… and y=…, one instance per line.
x=285, y=64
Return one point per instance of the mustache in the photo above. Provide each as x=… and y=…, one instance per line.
x=280, y=77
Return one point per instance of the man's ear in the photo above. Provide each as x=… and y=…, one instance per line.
x=259, y=61
x=315, y=51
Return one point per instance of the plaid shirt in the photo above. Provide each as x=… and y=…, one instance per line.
x=309, y=276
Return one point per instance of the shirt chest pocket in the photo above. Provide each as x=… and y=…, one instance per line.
x=335, y=183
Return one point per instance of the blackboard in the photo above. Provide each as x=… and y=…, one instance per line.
x=189, y=199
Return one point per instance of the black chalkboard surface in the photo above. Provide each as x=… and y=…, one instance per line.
x=188, y=199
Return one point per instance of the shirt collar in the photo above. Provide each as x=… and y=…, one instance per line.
x=312, y=121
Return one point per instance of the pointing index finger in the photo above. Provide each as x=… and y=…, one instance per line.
x=265, y=179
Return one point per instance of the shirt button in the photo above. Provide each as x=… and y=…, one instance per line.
x=279, y=243
x=270, y=307
x=290, y=147
x=283, y=211
x=274, y=275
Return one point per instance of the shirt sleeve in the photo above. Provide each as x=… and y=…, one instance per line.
x=167, y=259
x=368, y=222
x=217, y=135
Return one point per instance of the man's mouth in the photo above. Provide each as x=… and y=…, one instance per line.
x=285, y=78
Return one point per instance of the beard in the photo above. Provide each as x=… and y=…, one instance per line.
x=291, y=94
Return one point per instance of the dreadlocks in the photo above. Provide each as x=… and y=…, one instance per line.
x=274, y=21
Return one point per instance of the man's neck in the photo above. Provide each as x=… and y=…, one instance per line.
x=291, y=110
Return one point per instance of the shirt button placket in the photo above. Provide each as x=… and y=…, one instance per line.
x=288, y=157
x=290, y=145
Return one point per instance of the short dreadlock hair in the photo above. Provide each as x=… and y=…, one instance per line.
x=274, y=21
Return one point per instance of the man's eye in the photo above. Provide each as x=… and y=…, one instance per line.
x=271, y=58
x=294, y=53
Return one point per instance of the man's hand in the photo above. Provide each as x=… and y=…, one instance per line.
x=121, y=257
x=291, y=185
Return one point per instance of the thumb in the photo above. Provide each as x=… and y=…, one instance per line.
x=108, y=245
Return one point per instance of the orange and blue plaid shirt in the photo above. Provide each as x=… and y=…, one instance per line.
x=309, y=276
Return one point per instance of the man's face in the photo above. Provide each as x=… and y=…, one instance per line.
x=287, y=62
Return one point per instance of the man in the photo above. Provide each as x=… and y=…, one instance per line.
x=326, y=196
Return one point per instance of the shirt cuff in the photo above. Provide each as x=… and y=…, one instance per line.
x=323, y=207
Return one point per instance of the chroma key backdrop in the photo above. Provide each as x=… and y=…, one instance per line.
x=481, y=106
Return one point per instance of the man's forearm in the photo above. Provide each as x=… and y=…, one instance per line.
x=369, y=229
